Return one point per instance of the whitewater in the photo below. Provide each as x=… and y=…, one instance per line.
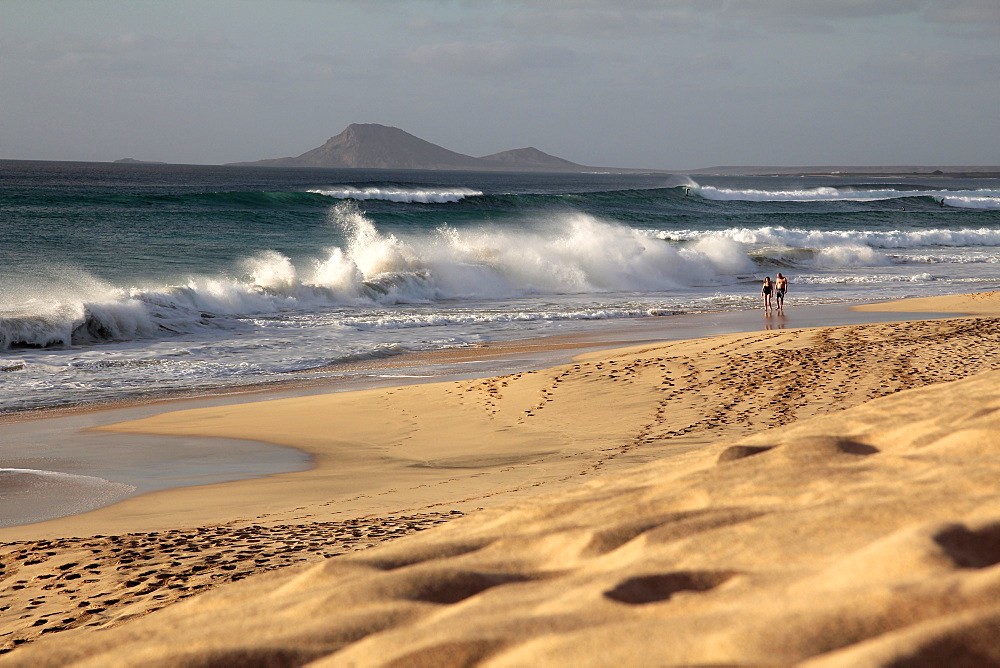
x=119, y=281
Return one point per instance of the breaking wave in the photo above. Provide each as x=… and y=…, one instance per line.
x=400, y=194
x=972, y=202
x=573, y=254
x=794, y=238
x=562, y=253
x=974, y=199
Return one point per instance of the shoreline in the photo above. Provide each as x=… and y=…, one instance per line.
x=484, y=361
x=396, y=460
x=538, y=351
x=603, y=334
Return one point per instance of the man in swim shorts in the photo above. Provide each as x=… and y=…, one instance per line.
x=780, y=288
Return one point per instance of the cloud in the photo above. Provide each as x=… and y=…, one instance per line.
x=819, y=9
x=709, y=62
x=628, y=19
x=810, y=17
x=607, y=21
x=130, y=54
x=680, y=13
x=966, y=18
x=486, y=59
x=199, y=59
x=934, y=68
x=964, y=11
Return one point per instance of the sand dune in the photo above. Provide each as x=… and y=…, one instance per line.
x=825, y=496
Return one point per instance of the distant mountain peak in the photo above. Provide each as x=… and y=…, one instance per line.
x=355, y=128
x=531, y=156
x=375, y=146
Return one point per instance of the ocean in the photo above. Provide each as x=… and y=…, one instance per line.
x=120, y=281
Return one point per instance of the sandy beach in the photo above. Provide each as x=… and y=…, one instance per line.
x=822, y=496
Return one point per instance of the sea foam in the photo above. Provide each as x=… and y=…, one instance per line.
x=567, y=253
x=560, y=253
x=814, y=238
x=989, y=202
x=421, y=195
x=981, y=199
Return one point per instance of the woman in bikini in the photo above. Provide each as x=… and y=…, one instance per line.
x=765, y=293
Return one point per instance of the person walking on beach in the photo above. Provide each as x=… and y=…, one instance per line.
x=765, y=293
x=780, y=288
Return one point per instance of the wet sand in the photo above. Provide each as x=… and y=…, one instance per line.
x=602, y=496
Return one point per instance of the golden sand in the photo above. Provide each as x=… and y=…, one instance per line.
x=822, y=495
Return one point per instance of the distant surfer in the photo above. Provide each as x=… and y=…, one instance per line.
x=780, y=288
x=765, y=293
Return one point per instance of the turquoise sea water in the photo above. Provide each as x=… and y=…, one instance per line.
x=122, y=280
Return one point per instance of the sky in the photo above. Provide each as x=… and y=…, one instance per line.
x=658, y=84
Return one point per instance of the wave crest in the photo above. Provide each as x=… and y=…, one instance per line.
x=792, y=238
x=400, y=194
x=981, y=199
x=972, y=202
x=574, y=253
x=567, y=253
